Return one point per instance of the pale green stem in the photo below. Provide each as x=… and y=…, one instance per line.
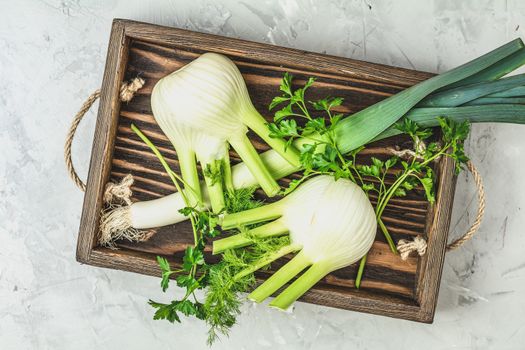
x=252, y=216
x=267, y=260
x=381, y=206
x=388, y=238
x=280, y=277
x=259, y=125
x=188, y=170
x=271, y=229
x=359, y=277
x=301, y=285
x=250, y=157
x=344, y=164
x=227, y=174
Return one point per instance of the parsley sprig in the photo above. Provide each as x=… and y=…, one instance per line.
x=317, y=139
x=222, y=302
x=319, y=151
x=193, y=274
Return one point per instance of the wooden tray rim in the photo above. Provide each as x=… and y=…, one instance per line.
x=122, y=32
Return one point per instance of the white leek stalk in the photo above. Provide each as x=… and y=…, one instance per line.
x=201, y=108
x=330, y=222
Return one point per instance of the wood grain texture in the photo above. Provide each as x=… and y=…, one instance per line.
x=390, y=286
x=103, y=140
x=431, y=265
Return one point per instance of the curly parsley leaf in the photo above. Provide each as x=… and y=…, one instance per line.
x=286, y=84
x=165, y=311
x=192, y=257
x=283, y=113
x=283, y=129
x=428, y=184
x=277, y=100
x=412, y=129
x=327, y=103
x=166, y=272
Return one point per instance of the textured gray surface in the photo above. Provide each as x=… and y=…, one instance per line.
x=52, y=56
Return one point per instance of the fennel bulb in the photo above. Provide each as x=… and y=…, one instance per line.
x=203, y=107
x=330, y=222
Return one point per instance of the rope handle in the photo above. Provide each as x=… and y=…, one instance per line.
x=419, y=245
x=127, y=91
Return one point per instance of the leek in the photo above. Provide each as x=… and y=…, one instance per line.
x=350, y=133
x=373, y=120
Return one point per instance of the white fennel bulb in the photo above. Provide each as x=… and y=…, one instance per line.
x=330, y=222
x=203, y=107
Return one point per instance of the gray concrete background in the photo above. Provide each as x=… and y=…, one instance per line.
x=52, y=55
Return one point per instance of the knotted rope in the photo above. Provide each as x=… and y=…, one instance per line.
x=115, y=222
x=127, y=91
x=405, y=247
x=419, y=245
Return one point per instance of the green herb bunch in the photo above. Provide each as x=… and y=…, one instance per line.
x=221, y=304
x=315, y=136
x=223, y=280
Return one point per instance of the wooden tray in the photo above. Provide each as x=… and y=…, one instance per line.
x=390, y=287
